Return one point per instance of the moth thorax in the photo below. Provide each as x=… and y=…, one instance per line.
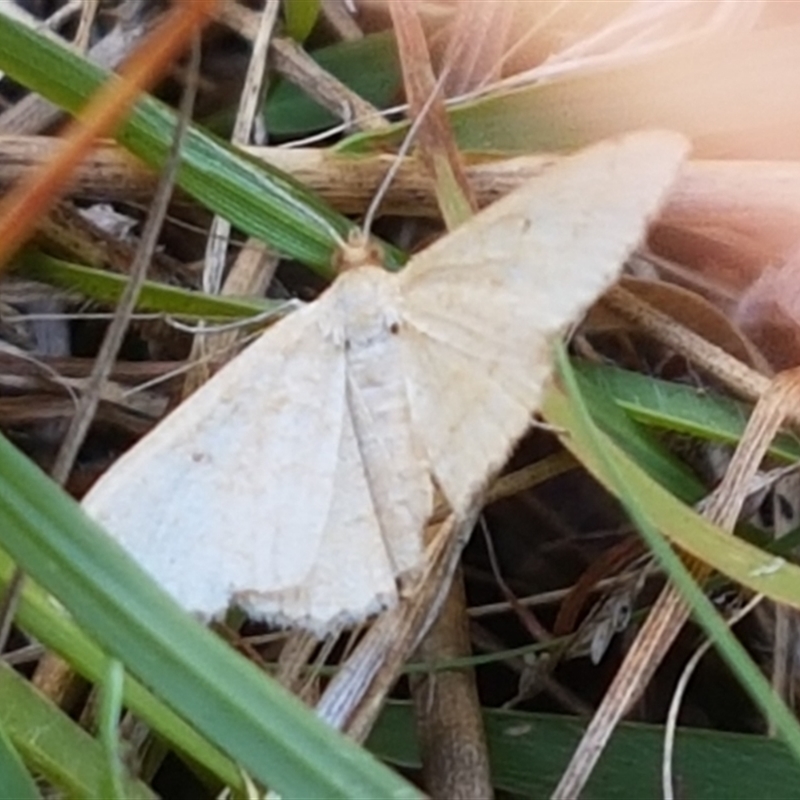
x=367, y=304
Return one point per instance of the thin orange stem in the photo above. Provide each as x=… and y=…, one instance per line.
x=24, y=205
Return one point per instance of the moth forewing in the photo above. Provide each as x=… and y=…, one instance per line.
x=212, y=485
x=297, y=481
x=486, y=301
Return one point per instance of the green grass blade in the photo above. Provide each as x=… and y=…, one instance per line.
x=15, y=781
x=614, y=470
x=108, y=717
x=687, y=88
x=529, y=752
x=270, y=732
x=300, y=16
x=107, y=287
x=677, y=407
x=53, y=744
x=49, y=624
x=639, y=443
x=260, y=200
x=289, y=112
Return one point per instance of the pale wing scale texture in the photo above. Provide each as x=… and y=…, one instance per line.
x=350, y=575
x=397, y=472
x=481, y=306
x=214, y=499
x=479, y=410
x=290, y=483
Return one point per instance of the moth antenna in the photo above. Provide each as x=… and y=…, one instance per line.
x=402, y=153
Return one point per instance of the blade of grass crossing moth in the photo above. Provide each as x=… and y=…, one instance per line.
x=40, y=618
x=579, y=425
x=271, y=733
x=444, y=737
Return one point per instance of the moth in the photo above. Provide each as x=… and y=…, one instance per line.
x=296, y=483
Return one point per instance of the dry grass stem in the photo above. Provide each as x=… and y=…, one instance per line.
x=455, y=758
x=352, y=700
x=339, y=18
x=294, y=64
x=750, y=196
x=448, y=713
x=253, y=269
x=733, y=373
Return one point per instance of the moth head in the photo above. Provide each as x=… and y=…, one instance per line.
x=359, y=251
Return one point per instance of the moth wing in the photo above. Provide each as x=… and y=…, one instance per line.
x=382, y=494
x=482, y=305
x=353, y=573
x=211, y=503
x=394, y=458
